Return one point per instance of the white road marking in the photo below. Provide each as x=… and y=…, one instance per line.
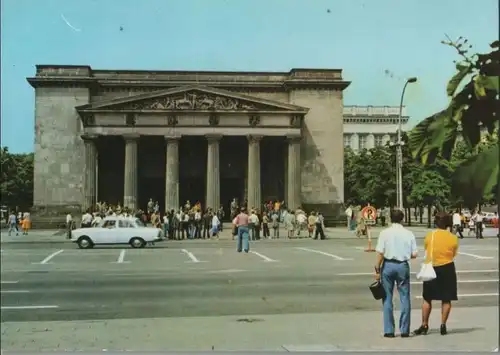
x=9, y=282
x=414, y=273
x=49, y=258
x=462, y=281
x=27, y=307
x=121, y=258
x=262, y=256
x=224, y=271
x=191, y=256
x=479, y=257
x=323, y=253
x=14, y=291
x=472, y=295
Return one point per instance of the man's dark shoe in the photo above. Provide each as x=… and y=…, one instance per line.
x=389, y=335
x=405, y=335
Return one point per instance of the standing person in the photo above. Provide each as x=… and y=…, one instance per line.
x=311, y=221
x=348, y=213
x=265, y=225
x=478, y=219
x=215, y=226
x=441, y=247
x=396, y=246
x=69, y=225
x=457, y=224
x=275, y=223
x=242, y=225
x=13, y=223
x=320, y=223
x=87, y=220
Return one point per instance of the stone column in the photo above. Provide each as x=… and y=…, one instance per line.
x=294, y=173
x=213, y=172
x=172, y=173
x=254, y=191
x=355, y=142
x=89, y=180
x=130, y=188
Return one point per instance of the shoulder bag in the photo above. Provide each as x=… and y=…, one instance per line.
x=427, y=272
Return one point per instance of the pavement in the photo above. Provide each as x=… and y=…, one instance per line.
x=285, y=295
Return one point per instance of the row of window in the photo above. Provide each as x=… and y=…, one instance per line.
x=363, y=139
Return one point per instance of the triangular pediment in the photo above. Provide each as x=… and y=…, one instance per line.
x=191, y=98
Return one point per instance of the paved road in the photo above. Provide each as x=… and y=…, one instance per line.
x=44, y=283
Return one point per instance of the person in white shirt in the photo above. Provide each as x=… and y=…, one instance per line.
x=478, y=221
x=197, y=224
x=97, y=220
x=348, y=213
x=215, y=226
x=252, y=225
x=69, y=224
x=457, y=224
x=301, y=222
x=396, y=246
x=87, y=220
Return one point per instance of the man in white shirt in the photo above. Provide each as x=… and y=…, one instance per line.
x=69, y=224
x=348, y=213
x=457, y=224
x=478, y=219
x=197, y=224
x=215, y=226
x=253, y=221
x=396, y=246
x=87, y=220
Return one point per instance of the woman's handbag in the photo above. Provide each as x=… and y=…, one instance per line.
x=427, y=272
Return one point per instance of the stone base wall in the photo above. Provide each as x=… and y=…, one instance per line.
x=53, y=217
x=334, y=213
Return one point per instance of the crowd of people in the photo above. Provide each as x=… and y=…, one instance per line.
x=194, y=222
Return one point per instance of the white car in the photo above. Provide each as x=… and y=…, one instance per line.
x=117, y=230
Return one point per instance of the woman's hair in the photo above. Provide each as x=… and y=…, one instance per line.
x=443, y=220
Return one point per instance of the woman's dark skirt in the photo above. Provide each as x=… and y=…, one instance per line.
x=444, y=286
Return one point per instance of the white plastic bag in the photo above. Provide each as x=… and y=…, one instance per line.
x=427, y=272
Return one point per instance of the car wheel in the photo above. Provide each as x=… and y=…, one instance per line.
x=137, y=242
x=84, y=242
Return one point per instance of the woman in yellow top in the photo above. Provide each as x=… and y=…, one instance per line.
x=444, y=287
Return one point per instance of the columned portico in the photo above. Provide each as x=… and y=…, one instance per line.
x=293, y=173
x=130, y=179
x=213, y=171
x=254, y=188
x=172, y=172
x=89, y=184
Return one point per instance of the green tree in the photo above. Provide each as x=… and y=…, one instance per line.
x=473, y=107
x=429, y=189
x=16, y=186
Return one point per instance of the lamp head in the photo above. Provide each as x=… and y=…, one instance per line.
x=412, y=80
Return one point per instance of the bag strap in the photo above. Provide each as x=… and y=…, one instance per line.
x=432, y=246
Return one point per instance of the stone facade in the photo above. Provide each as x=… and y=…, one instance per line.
x=76, y=104
x=366, y=127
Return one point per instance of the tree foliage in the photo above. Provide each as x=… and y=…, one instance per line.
x=471, y=113
x=16, y=186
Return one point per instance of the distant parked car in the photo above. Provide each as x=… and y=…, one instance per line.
x=488, y=217
x=117, y=230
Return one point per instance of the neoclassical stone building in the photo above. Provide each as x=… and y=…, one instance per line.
x=367, y=127
x=127, y=136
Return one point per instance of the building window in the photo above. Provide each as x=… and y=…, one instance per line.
x=347, y=141
x=378, y=140
x=362, y=142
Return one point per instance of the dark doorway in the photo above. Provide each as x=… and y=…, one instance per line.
x=272, y=168
x=151, y=171
x=110, y=169
x=192, y=170
x=233, y=169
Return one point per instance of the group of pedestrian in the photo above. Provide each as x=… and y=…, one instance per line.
x=396, y=246
x=20, y=221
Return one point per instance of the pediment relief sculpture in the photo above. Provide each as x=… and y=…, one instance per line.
x=192, y=101
x=254, y=120
x=296, y=121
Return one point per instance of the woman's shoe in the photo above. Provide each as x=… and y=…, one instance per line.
x=422, y=330
x=443, y=329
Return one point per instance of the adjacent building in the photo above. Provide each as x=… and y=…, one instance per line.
x=366, y=127
x=125, y=136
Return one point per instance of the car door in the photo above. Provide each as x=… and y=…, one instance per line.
x=124, y=231
x=107, y=232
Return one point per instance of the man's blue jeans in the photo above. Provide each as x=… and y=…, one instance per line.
x=243, y=242
x=399, y=274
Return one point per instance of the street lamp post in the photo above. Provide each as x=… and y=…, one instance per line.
x=399, y=151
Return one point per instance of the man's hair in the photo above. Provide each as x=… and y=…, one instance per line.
x=397, y=216
x=443, y=220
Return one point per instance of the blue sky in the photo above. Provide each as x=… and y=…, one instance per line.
x=366, y=38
